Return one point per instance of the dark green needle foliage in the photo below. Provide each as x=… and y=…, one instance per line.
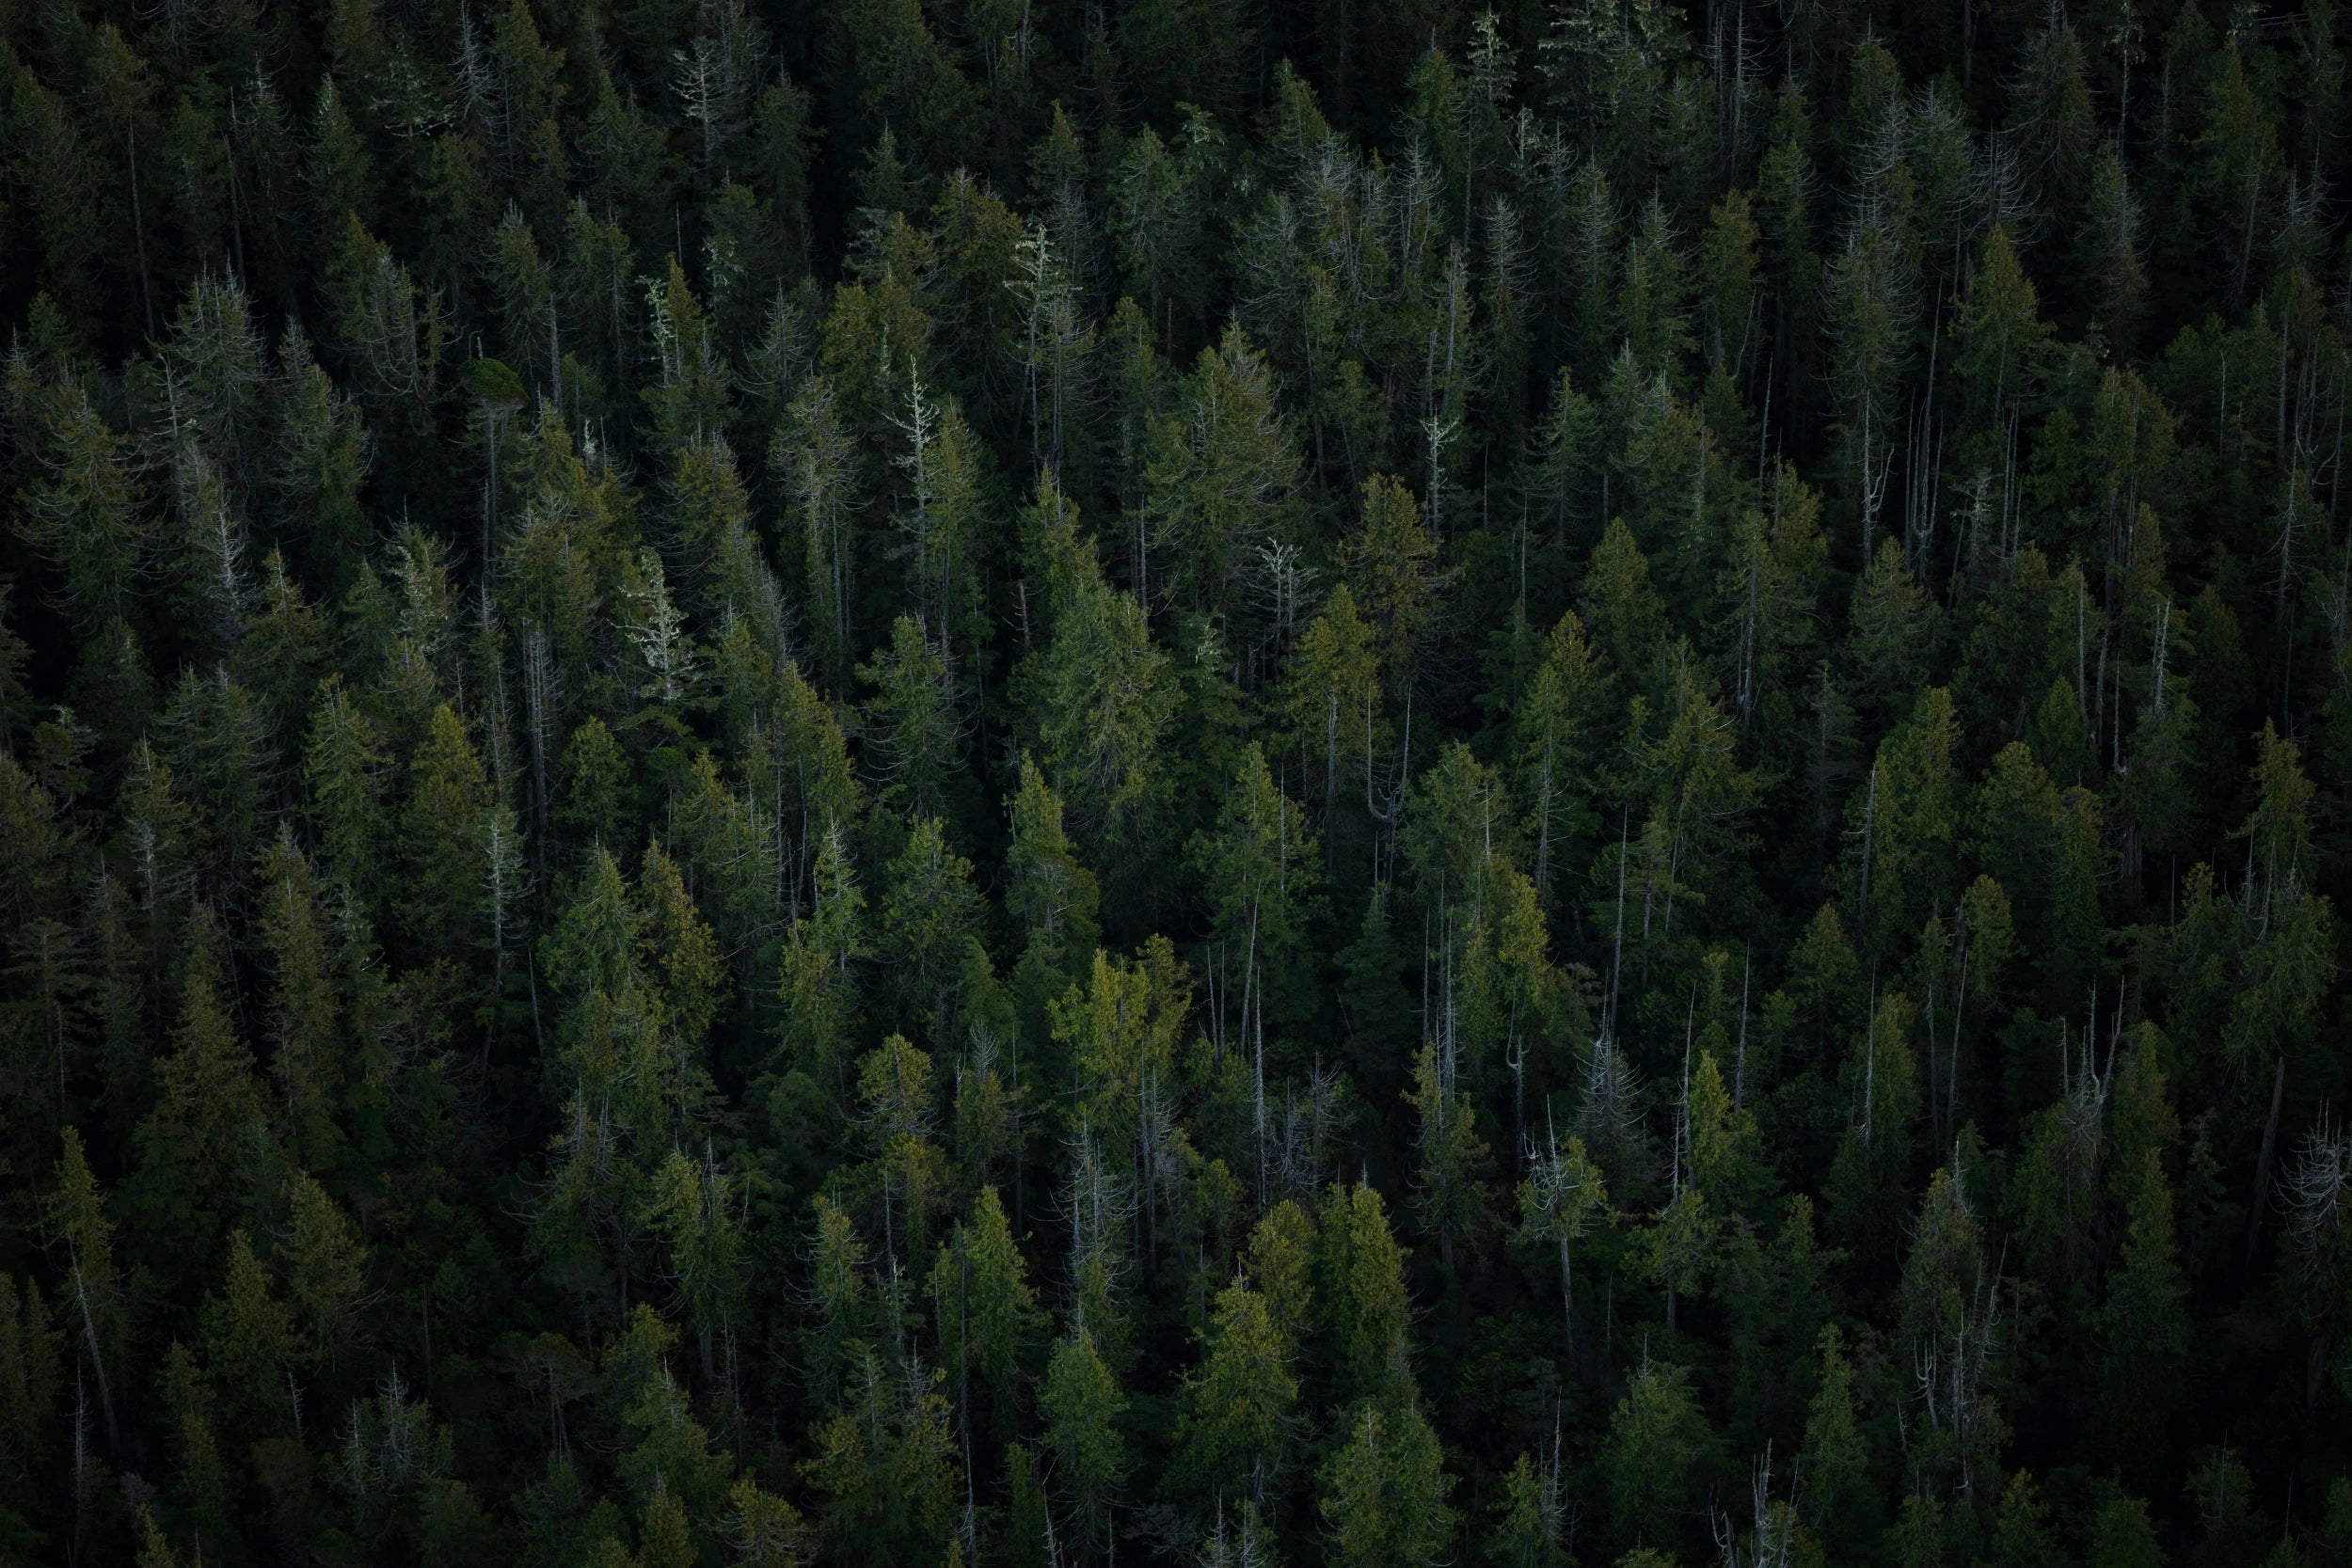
x=1387, y=783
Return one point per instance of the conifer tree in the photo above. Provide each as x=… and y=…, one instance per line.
x=917, y=733
x=1240, y=1419
x=1218, y=476
x=77, y=1218
x=1360, y=1308
x=1053, y=895
x=1835, y=1461
x=1262, y=869
x=2147, y=1331
x=1527, y=1534
x=441, y=826
x=247, y=1333
x=928, y=918
x=211, y=1113
x=986, y=1307
x=1384, y=1492
x=1083, y=1406
x=1101, y=705
x=1557, y=1202
x=1658, y=1440
x=325, y=1268
x=83, y=510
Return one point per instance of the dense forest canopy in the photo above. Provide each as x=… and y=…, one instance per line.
x=1232, y=782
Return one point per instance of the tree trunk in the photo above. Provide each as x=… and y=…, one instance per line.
x=2261, y=1165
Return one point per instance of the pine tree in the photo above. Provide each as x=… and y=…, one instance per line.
x=1333, y=696
x=2148, y=1338
x=54, y=164
x=212, y=737
x=391, y=331
x=1834, y=1462
x=441, y=827
x=2020, y=1536
x=1893, y=620
x=943, y=529
x=1054, y=896
x=1218, y=477
x=94, y=1302
x=1118, y=1035
x=325, y=1268
x=304, y=1008
x=2001, y=342
x=1240, y=1419
x=986, y=1309
x=211, y=1112
x=765, y=1530
x=1528, y=1531
x=1100, y=704
x=2239, y=158
x=696, y=1215
x=2123, y=1536
x=341, y=769
x=1360, y=1308
x=84, y=511
x=1946, y=1306
x=1450, y=1199
x=247, y=1334
x=1902, y=826
x=201, y=1487
x=1084, y=1407
x=1261, y=870
x=1725, y=1149
x=595, y=787
x=929, y=916
x=1621, y=608
x=885, y=1468
x=682, y=956
x=903, y=76
x=819, y=983
x=1556, y=725
x=1384, y=1492
x=1873, y=303
x=917, y=733
x=1389, y=563
x=1658, y=1442
x=689, y=402
x=897, y=1091
x=2112, y=245
x=1557, y=1203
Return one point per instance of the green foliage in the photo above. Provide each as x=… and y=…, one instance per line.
x=1384, y=1492
x=987, y=1310
x=1240, y=1421
x=1360, y=1298
x=1658, y=1445
x=1261, y=870
x=1527, y=1534
x=961, y=783
x=912, y=720
x=1083, y=1407
x=1834, y=1462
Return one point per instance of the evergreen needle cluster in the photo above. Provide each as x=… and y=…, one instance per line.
x=1355, y=782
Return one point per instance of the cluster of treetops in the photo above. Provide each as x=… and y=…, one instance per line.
x=1362, y=782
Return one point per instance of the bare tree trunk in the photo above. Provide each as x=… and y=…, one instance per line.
x=138, y=226
x=2261, y=1165
x=97, y=1357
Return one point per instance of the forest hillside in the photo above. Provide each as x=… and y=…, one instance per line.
x=1220, y=782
